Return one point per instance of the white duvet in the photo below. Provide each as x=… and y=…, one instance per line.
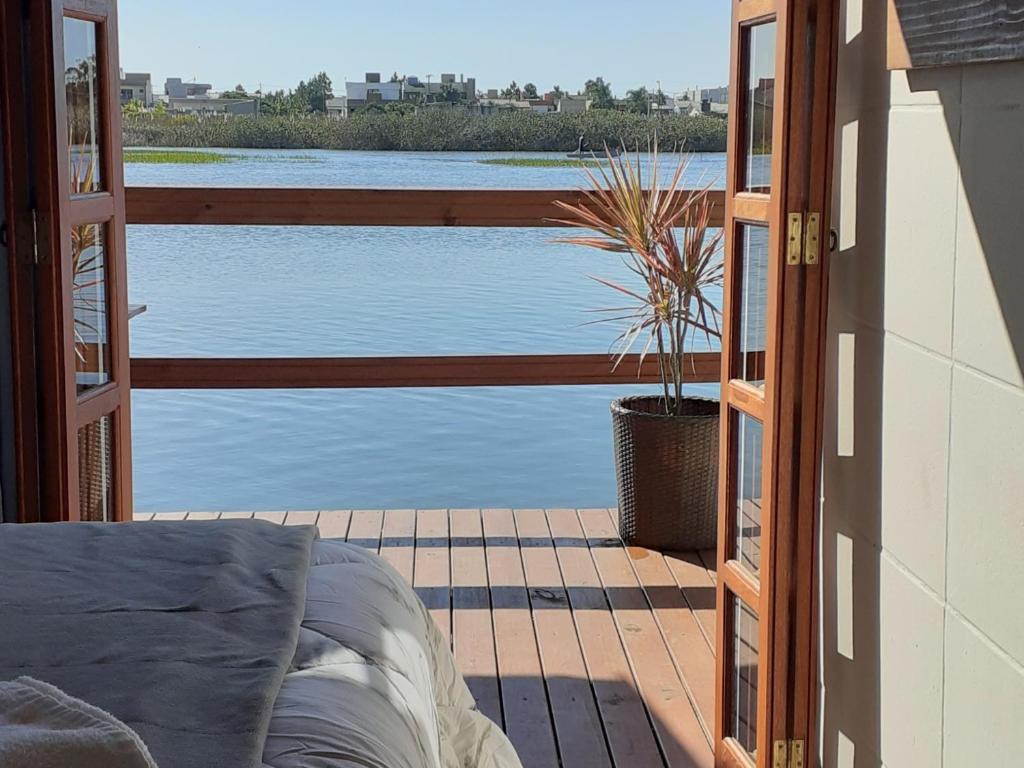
x=373, y=683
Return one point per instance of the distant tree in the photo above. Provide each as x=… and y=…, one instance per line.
x=281, y=103
x=660, y=98
x=599, y=93
x=386, y=108
x=395, y=78
x=315, y=93
x=238, y=93
x=638, y=100
x=450, y=94
x=558, y=92
x=512, y=92
x=529, y=91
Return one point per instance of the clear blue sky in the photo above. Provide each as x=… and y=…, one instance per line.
x=682, y=43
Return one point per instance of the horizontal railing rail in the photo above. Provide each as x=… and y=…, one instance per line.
x=282, y=206
x=331, y=206
x=369, y=372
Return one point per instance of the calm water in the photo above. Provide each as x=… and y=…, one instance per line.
x=320, y=291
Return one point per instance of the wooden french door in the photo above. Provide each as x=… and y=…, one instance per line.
x=82, y=336
x=776, y=220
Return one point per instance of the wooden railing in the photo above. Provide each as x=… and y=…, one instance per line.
x=378, y=208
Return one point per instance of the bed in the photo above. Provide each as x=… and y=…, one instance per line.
x=239, y=644
x=373, y=681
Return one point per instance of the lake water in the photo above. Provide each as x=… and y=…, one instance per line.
x=325, y=291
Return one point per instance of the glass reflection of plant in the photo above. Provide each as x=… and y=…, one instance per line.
x=81, y=99
x=87, y=270
x=87, y=291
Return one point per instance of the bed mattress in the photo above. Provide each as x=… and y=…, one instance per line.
x=373, y=683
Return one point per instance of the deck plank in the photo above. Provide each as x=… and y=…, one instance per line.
x=472, y=628
x=271, y=517
x=333, y=523
x=681, y=632
x=202, y=516
x=141, y=517
x=301, y=518
x=365, y=528
x=698, y=588
x=398, y=540
x=236, y=515
x=573, y=708
x=432, y=570
x=622, y=710
x=523, y=695
x=168, y=516
x=677, y=726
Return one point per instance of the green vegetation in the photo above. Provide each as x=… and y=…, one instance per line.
x=539, y=162
x=175, y=156
x=447, y=130
x=194, y=157
x=599, y=93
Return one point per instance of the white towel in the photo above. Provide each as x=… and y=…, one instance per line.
x=43, y=727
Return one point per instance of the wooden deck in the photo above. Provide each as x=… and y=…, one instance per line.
x=589, y=653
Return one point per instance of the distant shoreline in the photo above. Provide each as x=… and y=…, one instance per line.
x=429, y=132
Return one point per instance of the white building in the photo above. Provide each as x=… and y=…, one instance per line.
x=176, y=89
x=137, y=86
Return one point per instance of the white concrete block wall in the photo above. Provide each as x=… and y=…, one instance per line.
x=923, y=526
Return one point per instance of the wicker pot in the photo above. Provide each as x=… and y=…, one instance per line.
x=667, y=472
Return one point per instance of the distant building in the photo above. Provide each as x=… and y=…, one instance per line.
x=209, y=105
x=492, y=105
x=698, y=101
x=336, y=107
x=374, y=90
x=176, y=89
x=137, y=86
x=416, y=90
x=716, y=95
x=571, y=104
x=360, y=94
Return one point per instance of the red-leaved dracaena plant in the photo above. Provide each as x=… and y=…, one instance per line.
x=664, y=236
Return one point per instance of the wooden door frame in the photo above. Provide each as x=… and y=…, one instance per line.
x=791, y=411
x=16, y=113
x=40, y=214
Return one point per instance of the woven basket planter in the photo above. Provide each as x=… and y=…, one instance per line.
x=667, y=472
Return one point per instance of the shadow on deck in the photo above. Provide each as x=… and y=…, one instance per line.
x=587, y=652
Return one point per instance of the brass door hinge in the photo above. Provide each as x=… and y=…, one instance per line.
x=812, y=238
x=788, y=753
x=803, y=238
x=794, y=239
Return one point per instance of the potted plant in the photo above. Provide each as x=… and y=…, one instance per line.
x=666, y=446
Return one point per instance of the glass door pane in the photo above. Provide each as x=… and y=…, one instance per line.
x=91, y=312
x=748, y=490
x=753, y=302
x=95, y=471
x=82, y=90
x=742, y=707
x=759, y=106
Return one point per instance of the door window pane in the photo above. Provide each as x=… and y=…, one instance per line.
x=82, y=93
x=95, y=476
x=749, y=435
x=759, y=50
x=753, y=287
x=742, y=720
x=89, y=298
